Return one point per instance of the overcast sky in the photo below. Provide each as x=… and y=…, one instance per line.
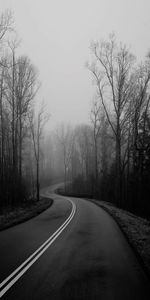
x=56, y=35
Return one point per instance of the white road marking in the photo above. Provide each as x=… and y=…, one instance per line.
x=35, y=256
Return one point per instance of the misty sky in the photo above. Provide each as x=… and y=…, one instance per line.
x=56, y=36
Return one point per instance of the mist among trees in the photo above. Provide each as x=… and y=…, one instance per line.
x=21, y=123
x=122, y=91
x=108, y=159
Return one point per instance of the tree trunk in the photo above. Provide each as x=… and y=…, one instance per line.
x=37, y=182
x=65, y=183
x=20, y=146
x=96, y=167
x=118, y=172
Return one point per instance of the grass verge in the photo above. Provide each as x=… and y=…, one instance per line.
x=24, y=212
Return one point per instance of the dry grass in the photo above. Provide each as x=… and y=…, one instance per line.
x=24, y=212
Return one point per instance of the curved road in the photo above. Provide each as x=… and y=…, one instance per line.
x=89, y=259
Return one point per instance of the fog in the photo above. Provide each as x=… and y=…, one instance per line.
x=75, y=129
x=56, y=35
x=84, y=117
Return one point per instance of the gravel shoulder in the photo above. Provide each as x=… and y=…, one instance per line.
x=24, y=212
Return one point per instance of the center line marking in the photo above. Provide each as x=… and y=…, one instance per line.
x=11, y=279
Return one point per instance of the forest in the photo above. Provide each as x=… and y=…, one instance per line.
x=107, y=159
x=22, y=119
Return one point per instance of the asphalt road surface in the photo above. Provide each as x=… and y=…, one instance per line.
x=73, y=250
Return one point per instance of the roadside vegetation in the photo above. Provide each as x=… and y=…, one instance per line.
x=24, y=211
x=109, y=159
x=22, y=120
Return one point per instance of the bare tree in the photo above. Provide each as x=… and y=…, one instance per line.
x=25, y=90
x=6, y=23
x=66, y=139
x=18, y=87
x=37, y=123
x=112, y=71
x=96, y=123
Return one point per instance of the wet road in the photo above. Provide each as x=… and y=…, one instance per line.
x=90, y=259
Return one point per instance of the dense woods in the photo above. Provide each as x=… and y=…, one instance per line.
x=122, y=92
x=19, y=138
x=109, y=158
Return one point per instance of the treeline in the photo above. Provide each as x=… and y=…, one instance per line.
x=110, y=159
x=20, y=125
x=122, y=93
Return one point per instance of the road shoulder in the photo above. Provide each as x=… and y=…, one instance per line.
x=135, y=229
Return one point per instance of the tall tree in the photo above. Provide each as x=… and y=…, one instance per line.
x=37, y=122
x=6, y=25
x=112, y=71
x=95, y=116
x=25, y=90
x=65, y=137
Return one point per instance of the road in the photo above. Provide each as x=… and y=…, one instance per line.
x=89, y=259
